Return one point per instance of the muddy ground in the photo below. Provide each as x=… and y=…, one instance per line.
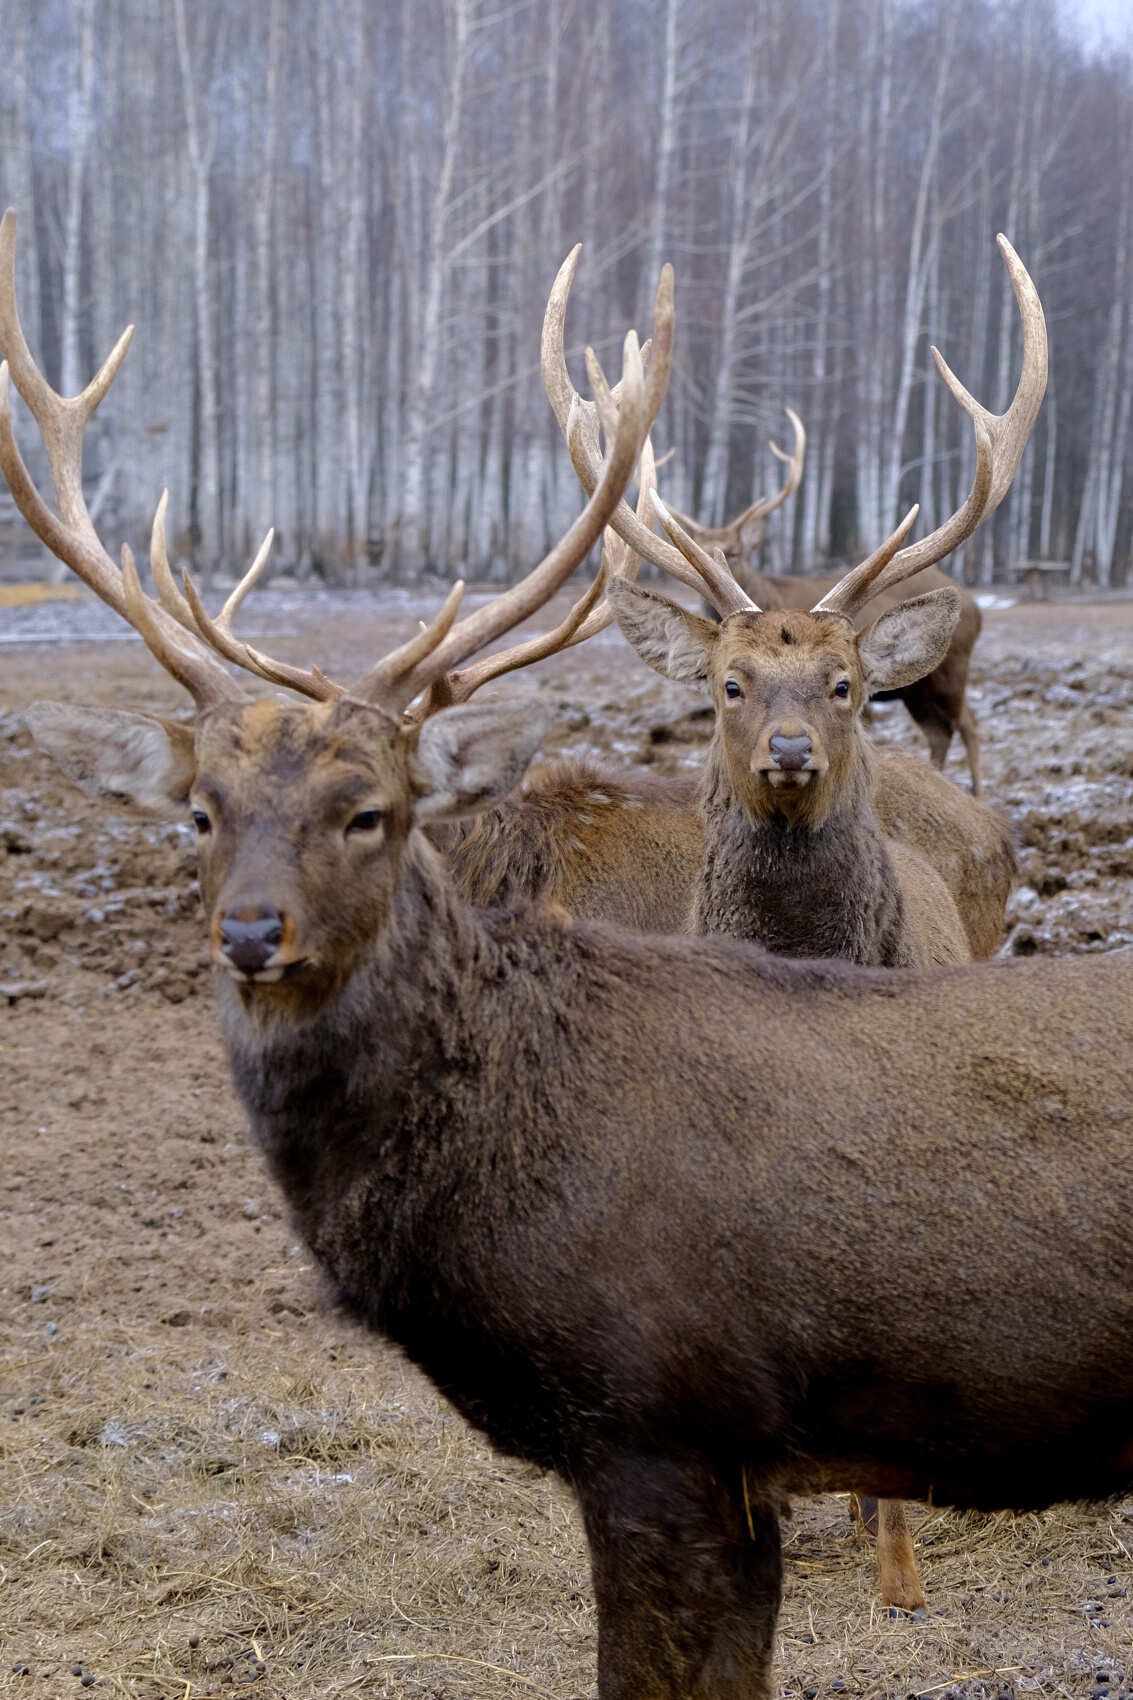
x=210, y=1480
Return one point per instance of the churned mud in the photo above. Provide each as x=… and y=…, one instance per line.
x=210, y=1480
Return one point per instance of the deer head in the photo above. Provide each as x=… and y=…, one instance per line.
x=789, y=688
x=303, y=810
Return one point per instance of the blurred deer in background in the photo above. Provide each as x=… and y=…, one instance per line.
x=630, y=1202
x=741, y=539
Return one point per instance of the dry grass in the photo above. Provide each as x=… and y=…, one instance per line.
x=302, y=1515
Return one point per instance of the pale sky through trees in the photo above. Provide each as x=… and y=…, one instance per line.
x=1098, y=20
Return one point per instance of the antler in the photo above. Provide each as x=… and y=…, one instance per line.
x=1000, y=441
x=587, y=617
x=189, y=642
x=730, y=536
x=70, y=533
x=424, y=661
x=579, y=423
x=999, y=438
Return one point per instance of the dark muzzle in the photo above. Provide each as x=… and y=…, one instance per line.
x=790, y=753
x=250, y=945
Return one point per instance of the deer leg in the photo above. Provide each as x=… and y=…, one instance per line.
x=687, y=1579
x=969, y=731
x=897, y=1573
x=883, y=1521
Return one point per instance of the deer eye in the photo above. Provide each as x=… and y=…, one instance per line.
x=842, y=688
x=368, y=820
x=201, y=822
x=732, y=691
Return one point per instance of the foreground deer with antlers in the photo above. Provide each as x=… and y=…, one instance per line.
x=938, y=701
x=584, y=1179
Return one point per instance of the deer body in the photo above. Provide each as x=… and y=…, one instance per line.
x=590, y=1268
x=630, y=848
x=621, y=847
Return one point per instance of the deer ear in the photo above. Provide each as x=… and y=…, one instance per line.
x=467, y=759
x=671, y=639
x=112, y=753
x=908, y=641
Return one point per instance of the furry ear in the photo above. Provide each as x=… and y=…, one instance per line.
x=468, y=758
x=119, y=755
x=672, y=640
x=908, y=641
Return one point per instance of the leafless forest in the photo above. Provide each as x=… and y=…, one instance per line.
x=335, y=223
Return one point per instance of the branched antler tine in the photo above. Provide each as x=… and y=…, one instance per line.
x=793, y=459
x=168, y=593
x=717, y=583
x=860, y=583
x=308, y=681
x=164, y=638
x=731, y=534
x=604, y=402
x=248, y=582
x=1000, y=437
x=384, y=683
x=70, y=533
x=526, y=597
x=618, y=559
x=556, y=379
x=461, y=685
x=582, y=441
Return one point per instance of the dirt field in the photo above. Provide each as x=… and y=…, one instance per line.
x=211, y=1481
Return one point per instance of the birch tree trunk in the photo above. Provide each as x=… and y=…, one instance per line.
x=79, y=129
x=205, y=496
x=414, y=531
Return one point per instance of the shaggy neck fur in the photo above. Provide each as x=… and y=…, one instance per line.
x=797, y=889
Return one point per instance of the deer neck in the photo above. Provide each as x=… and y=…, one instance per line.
x=358, y=1109
x=801, y=890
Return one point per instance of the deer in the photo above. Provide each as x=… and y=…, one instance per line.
x=967, y=844
x=628, y=1199
x=794, y=855
x=938, y=701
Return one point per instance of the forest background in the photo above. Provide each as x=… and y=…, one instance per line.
x=335, y=223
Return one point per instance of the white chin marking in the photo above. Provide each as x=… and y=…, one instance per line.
x=264, y=977
x=790, y=778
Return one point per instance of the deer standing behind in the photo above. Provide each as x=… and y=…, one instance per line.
x=627, y=1200
x=612, y=846
x=794, y=855
x=937, y=702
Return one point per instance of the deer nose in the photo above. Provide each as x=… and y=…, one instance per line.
x=790, y=753
x=250, y=944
